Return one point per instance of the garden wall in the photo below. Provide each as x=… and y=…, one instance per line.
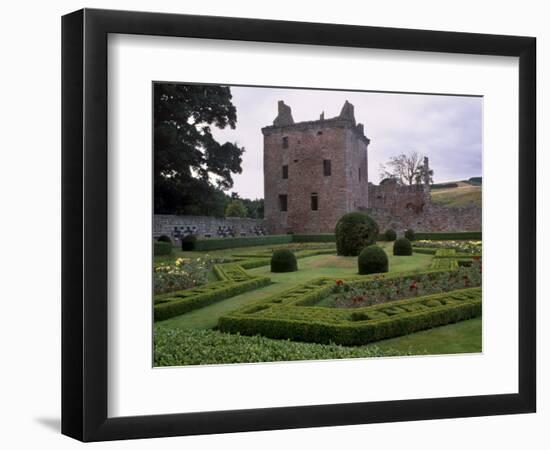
x=202, y=225
x=432, y=218
x=401, y=207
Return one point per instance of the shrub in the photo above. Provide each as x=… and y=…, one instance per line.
x=444, y=185
x=372, y=259
x=283, y=261
x=355, y=231
x=180, y=347
x=188, y=242
x=409, y=234
x=164, y=238
x=390, y=235
x=313, y=238
x=402, y=247
x=162, y=248
x=453, y=236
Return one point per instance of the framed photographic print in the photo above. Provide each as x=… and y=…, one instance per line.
x=273, y=224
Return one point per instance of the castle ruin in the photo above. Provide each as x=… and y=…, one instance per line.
x=316, y=171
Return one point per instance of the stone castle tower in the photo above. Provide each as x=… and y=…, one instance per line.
x=314, y=172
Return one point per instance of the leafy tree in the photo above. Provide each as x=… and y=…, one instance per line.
x=236, y=208
x=404, y=168
x=255, y=208
x=192, y=169
x=424, y=174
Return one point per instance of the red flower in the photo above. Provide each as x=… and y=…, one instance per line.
x=339, y=282
x=413, y=286
x=477, y=258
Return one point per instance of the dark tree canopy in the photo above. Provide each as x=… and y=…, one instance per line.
x=191, y=168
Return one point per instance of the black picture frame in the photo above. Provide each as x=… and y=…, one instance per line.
x=84, y=224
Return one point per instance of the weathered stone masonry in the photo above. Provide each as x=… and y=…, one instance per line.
x=314, y=172
x=203, y=225
x=401, y=207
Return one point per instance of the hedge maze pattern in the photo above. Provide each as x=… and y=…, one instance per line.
x=293, y=314
x=287, y=317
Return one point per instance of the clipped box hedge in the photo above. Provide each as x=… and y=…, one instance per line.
x=251, y=241
x=458, y=236
x=162, y=248
x=424, y=250
x=326, y=237
x=181, y=302
x=356, y=326
x=223, y=243
x=233, y=280
x=444, y=264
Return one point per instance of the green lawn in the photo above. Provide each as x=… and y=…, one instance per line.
x=461, y=337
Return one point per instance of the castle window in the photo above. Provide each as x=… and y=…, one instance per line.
x=285, y=172
x=283, y=203
x=314, y=202
x=327, y=169
x=359, y=173
x=285, y=142
x=319, y=133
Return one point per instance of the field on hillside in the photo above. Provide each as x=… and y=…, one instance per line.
x=462, y=195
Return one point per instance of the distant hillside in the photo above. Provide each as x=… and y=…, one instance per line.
x=458, y=193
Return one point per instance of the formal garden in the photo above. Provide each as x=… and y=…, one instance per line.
x=360, y=292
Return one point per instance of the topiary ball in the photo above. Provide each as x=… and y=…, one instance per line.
x=188, y=242
x=164, y=238
x=162, y=248
x=390, y=235
x=283, y=261
x=355, y=231
x=372, y=259
x=402, y=247
x=409, y=234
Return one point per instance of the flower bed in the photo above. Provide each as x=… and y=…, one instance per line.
x=234, y=280
x=183, y=273
x=469, y=247
x=381, y=290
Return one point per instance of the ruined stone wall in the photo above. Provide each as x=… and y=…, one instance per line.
x=402, y=207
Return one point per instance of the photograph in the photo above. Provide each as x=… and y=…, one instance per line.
x=295, y=224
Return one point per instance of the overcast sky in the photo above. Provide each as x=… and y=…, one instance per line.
x=447, y=129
